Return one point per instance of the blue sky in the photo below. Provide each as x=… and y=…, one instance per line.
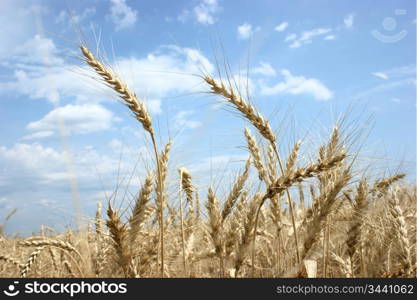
x=305, y=63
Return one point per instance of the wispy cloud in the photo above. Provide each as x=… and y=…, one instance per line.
x=47, y=166
x=245, y=31
x=122, y=15
x=349, y=20
x=264, y=69
x=184, y=15
x=38, y=135
x=218, y=162
x=281, y=27
x=290, y=37
x=394, y=78
x=206, y=11
x=297, y=85
x=18, y=24
x=388, y=86
x=64, y=17
x=397, y=72
x=151, y=75
x=78, y=119
x=329, y=37
x=38, y=50
x=182, y=120
x=305, y=37
x=381, y=75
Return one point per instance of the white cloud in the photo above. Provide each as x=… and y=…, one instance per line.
x=218, y=162
x=397, y=72
x=38, y=135
x=38, y=50
x=196, y=57
x=37, y=164
x=381, y=75
x=306, y=37
x=32, y=157
x=49, y=83
x=19, y=21
x=122, y=15
x=281, y=27
x=349, y=20
x=205, y=12
x=329, y=37
x=297, y=85
x=184, y=16
x=244, y=31
x=264, y=69
x=388, y=86
x=182, y=120
x=153, y=77
x=401, y=72
x=290, y=37
x=40, y=73
x=115, y=145
x=156, y=75
x=153, y=105
x=63, y=16
x=74, y=119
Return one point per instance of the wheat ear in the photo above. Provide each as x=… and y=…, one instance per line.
x=10, y=259
x=235, y=192
x=51, y=242
x=401, y=230
x=354, y=231
x=256, y=154
x=99, y=220
x=245, y=108
x=130, y=98
x=119, y=235
x=215, y=218
x=140, y=211
x=25, y=268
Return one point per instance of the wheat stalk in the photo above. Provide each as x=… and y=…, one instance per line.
x=182, y=222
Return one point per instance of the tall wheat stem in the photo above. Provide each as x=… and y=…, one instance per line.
x=182, y=226
x=290, y=204
x=140, y=113
x=160, y=198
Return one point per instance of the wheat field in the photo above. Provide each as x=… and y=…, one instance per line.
x=282, y=217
